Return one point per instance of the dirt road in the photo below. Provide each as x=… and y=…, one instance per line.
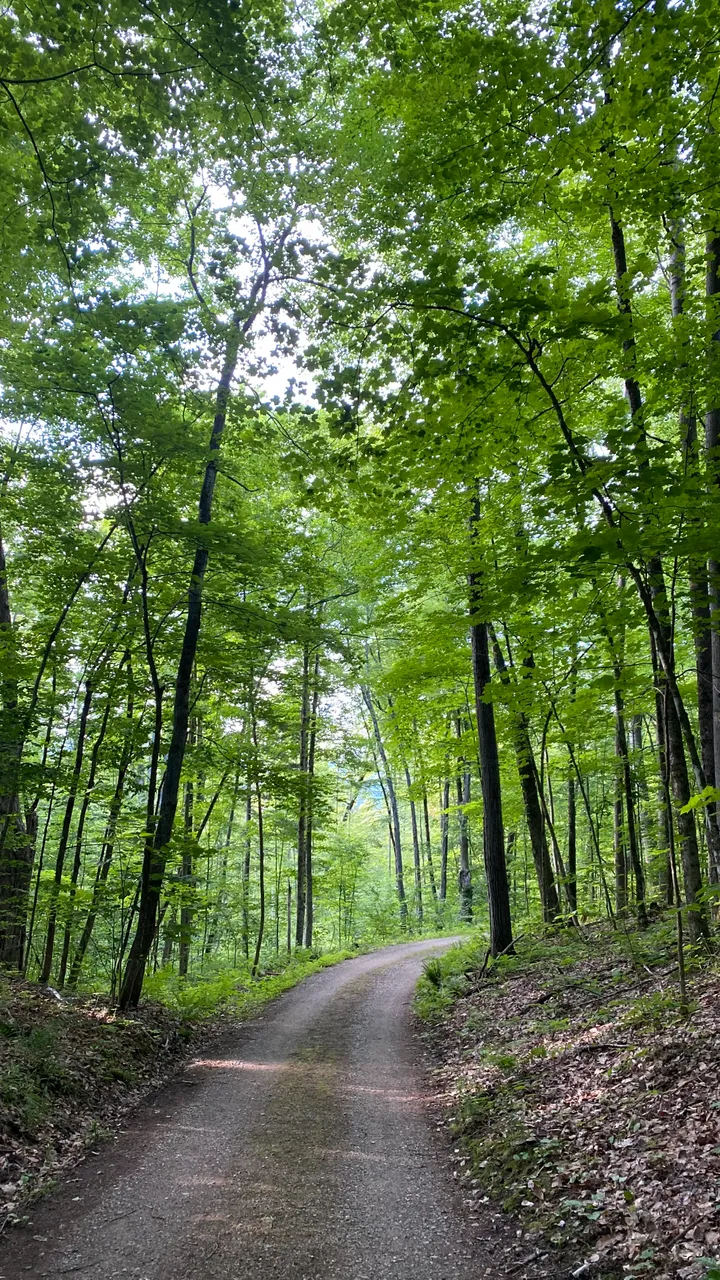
x=302, y=1150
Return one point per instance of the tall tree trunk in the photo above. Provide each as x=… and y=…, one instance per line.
x=18, y=846
x=301, y=892
x=312, y=742
x=462, y=783
x=698, y=925
x=187, y=872
x=41, y=860
x=665, y=816
x=531, y=803
x=222, y=888
x=619, y=850
x=46, y=968
x=428, y=845
x=698, y=576
x=678, y=723
x=417, y=864
x=261, y=850
x=571, y=887
x=392, y=804
x=493, y=838
x=155, y=854
x=631, y=845
x=444, y=838
x=108, y=848
x=631, y=815
x=246, y=867
x=77, y=860
x=712, y=453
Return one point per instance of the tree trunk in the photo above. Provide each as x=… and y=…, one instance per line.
x=18, y=846
x=246, y=867
x=312, y=741
x=188, y=872
x=698, y=926
x=663, y=632
x=712, y=453
x=77, y=860
x=301, y=893
x=417, y=865
x=106, y=854
x=428, y=845
x=630, y=846
x=571, y=887
x=698, y=577
x=531, y=803
x=156, y=850
x=619, y=851
x=444, y=838
x=493, y=838
x=392, y=805
x=462, y=782
x=222, y=888
x=261, y=855
x=46, y=968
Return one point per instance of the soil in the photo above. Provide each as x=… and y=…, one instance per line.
x=306, y=1147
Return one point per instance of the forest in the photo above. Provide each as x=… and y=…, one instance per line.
x=360, y=401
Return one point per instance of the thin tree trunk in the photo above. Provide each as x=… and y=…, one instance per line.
x=156, y=851
x=417, y=865
x=462, y=783
x=222, y=888
x=312, y=742
x=77, y=860
x=46, y=968
x=428, y=845
x=619, y=851
x=444, y=835
x=301, y=891
x=712, y=454
x=698, y=577
x=678, y=723
x=392, y=804
x=571, y=886
x=698, y=925
x=623, y=846
x=261, y=854
x=531, y=803
x=41, y=859
x=246, y=867
x=493, y=838
x=188, y=872
x=18, y=848
x=106, y=856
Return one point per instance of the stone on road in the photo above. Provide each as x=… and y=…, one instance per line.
x=303, y=1149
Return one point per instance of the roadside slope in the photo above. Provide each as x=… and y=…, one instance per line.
x=583, y=1098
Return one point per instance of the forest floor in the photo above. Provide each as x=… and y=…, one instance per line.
x=583, y=1099
x=72, y=1067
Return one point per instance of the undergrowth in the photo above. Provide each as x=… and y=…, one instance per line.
x=234, y=992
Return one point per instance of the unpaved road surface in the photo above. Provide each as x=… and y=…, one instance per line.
x=303, y=1149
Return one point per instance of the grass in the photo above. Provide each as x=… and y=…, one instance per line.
x=233, y=992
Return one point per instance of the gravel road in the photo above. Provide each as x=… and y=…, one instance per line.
x=303, y=1149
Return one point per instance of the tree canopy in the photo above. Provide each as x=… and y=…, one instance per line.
x=360, y=400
